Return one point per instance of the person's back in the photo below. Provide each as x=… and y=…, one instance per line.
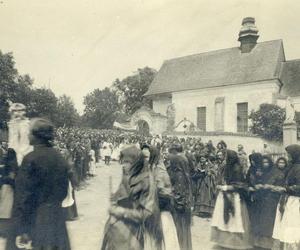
x=52, y=172
x=41, y=186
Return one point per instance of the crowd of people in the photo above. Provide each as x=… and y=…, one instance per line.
x=251, y=207
x=251, y=201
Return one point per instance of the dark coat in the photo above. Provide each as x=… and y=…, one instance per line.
x=41, y=186
x=265, y=203
x=181, y=182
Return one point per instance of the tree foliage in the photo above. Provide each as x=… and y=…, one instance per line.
x=267, y=122
x=40, y=102
x=101, y=107
x=131, y=90
x=68, y=115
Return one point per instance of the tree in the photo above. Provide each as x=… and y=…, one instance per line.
x=40, y=102
x=13, y=87
x=131, y=89
x=267, y=122
x=67, y=114
x=100, y=108
x=43, y=103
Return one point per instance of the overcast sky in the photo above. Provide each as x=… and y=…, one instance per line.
x=76, y=46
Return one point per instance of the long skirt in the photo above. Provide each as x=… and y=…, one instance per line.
x=205, y=198
x=169, y=232
x=287, y=226
x=234, y=234
x=119, y=234
x=183, y=221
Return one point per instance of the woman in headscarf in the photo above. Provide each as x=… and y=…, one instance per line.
x=205, y=193
x=134, y=215
x=255, y=164
x=230, y=222
x=265, y=201
x=178, y=169
x=165, y=199
x=287, y=223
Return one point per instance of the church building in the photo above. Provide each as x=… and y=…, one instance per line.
x=216, y=91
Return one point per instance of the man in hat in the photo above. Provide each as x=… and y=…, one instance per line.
x=178, y=169
x=41, y=186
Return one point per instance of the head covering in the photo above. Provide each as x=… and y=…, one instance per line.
x=42, y=129
x=176, y=147
x=233, y=169
x=269, y=159
x=222, y=144
x=285, y=170
x=257, y=159
x=294, y=151
x=130, y=154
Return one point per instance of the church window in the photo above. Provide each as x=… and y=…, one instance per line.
x=219, y=113
x=201, y=118
x=242, y=117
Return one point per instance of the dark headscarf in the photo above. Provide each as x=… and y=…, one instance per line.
x=294, y=151
x=271, y=164
x=231, y=172
x=42, y=130
x=286, y=169
x=257, y=159
x=154, y=154
x=222, y=144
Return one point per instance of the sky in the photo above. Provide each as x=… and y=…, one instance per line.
x=75, y=46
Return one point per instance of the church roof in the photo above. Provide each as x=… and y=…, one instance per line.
x=219, y=68
x=290, y=77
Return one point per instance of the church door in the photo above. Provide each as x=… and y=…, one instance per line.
x=143, y=128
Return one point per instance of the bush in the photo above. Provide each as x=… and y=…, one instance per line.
x=267, y=122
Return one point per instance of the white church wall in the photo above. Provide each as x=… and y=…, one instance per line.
x=296, y=101
x=161, y=103
x=254, y=94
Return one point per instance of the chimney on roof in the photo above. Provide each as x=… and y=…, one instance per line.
x=248, y=35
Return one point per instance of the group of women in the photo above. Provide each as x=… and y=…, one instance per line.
x=261, y=210
x=140, y=213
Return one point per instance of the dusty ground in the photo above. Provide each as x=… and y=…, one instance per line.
x=93, y=201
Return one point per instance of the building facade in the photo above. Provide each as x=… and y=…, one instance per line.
x=216, y=91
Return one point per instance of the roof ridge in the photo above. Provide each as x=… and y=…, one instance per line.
x=214, y=51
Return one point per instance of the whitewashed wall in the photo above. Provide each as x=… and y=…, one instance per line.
x=186, y=102
x=161, y=103
x=296, y=101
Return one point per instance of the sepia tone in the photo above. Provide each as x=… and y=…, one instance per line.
x=149, y=125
